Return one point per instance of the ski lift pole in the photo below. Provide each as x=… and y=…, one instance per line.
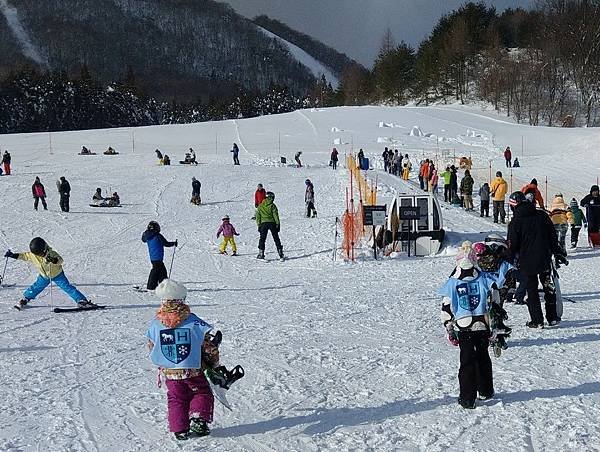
x=172, y=259
x=3, y=272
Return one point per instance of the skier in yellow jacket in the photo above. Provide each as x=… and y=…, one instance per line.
x=49, y=265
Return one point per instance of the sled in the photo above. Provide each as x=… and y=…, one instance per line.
x=87, y=153
x=108, y=153
x=183, y=162
x=105, y=205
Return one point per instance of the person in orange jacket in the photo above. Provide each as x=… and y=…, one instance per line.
x=532, y=193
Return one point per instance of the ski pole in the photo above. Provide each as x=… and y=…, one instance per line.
x=172, y=259
x=3, y=272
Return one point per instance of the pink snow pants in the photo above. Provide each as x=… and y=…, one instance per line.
x=188, y=398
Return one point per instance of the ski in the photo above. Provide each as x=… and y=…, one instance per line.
x=60, y=310
x=140, y=289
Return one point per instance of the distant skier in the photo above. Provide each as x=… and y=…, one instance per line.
x=193, y=157
x=228, y=231
x=591, y=203
x=433, y=181
x=334, y=158
x=508, y=157
x=196, y=185
x=49, y=265
x=309, y=199
x=533, y=194
x=97, y=198
x=267, y=219
x=181, y=346
x=406, y=167
x=297, y=159
x=465, y=314
x=6, y=162
x=466, y=190
x=156, y=243
x=159, y=156
x=453, y=184
x=39, y=194
x=166, y=160
x=484, y=200
x=498, y=188
x=532, y=241
x=64, y=190
x=361, y=158
x=558, y=215
x=576, y=220
x=516, y=163
x=447, y=192
x=236, y=152
x=259, y=195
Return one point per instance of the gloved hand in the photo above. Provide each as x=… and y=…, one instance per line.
x=176, y=243
x=10, y=254
x=560, y=259
x=52, y=260
x=217, y=235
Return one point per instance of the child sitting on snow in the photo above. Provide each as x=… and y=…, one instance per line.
x=177, y=340
x=465, y=314
x=228, y=232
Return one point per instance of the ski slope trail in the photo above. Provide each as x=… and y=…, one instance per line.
x=338, y=356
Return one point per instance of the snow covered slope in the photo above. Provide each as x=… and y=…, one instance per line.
x=338, y=356
x=315, y=66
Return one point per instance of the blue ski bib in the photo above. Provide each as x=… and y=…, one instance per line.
x=180, y=347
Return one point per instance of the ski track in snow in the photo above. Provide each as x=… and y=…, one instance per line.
x=338, y=356
x=14, y=23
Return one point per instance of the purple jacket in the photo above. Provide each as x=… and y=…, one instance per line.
x=227, y=230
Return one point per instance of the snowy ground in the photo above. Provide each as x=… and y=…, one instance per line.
x=338, y=356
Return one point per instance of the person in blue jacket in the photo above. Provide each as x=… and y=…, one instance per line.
x=156, y=248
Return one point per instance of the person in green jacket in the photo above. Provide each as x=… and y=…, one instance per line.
x=446, y=176
x=267, y=219
x=576, y=219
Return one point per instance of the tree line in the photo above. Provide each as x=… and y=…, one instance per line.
x=541, y=66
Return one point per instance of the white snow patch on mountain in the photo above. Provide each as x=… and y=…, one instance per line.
x=316, y=67
x=19, y=32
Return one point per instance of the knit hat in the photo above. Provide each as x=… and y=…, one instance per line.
x=574, y=204
x=226, y=217
x=498, y=173
x=534, y=181
x=466, y=257
x=171, y=290
x=594, y=188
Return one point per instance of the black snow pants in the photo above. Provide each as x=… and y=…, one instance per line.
x=157, y=274
x=264, y=229
x=36, y=201
x=534, y=304
x=64, y=202
x=475, y=373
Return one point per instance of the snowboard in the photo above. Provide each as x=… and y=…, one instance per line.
x=220, y=380
x=500, y=332
x=61, y=310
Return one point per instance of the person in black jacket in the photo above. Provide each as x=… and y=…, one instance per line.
x=532, y=241
x=196, y=191
x=64, y=190
x=591, y=203
x=6, y=162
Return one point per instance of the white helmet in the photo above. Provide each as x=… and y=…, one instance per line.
x=171, y=290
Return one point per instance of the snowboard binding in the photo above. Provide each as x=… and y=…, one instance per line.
x=224, y=378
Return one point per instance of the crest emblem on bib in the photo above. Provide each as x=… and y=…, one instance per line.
x=176, y=344
x=468, y=296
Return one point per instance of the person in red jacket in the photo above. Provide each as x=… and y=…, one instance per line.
x=259, y=195
x=39, y=193
x=508, y=157
x=532, y=193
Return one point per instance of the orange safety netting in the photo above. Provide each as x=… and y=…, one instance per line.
x=352, y=220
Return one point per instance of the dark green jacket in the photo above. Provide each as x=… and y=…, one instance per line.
x=267, y=212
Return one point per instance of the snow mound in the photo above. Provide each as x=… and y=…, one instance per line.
x=416, y=132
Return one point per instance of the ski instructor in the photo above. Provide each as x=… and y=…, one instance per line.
x=532, y=241
x=156, y=248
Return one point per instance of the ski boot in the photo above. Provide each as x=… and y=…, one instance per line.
x=467, y=404
x=182, y=436
x=280, y=252
x=22, y=304
x=234, y=253
x=224, y=378
x=85, y=304
x=261, y=254
x=199, y=426
x=485, y=396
